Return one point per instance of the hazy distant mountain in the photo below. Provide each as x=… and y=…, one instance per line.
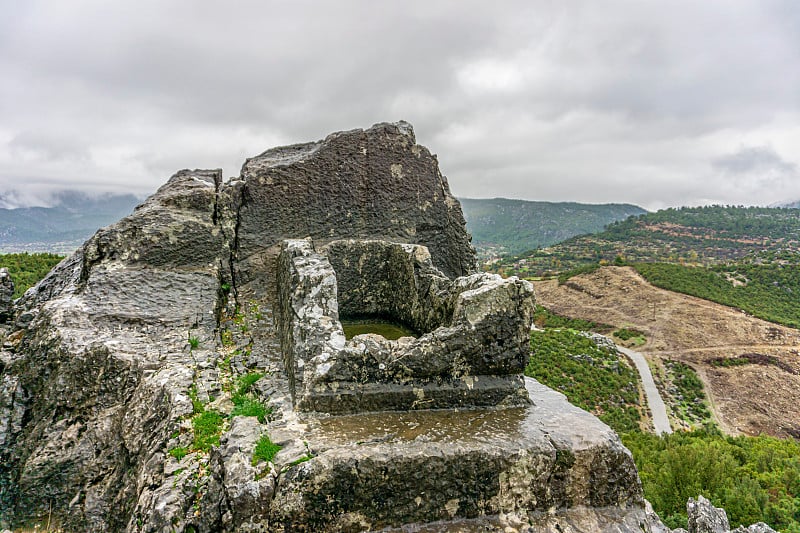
x=65, y=226
x=504, y=226
x=795, y=204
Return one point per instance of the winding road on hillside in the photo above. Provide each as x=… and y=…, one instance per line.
x=657, y=407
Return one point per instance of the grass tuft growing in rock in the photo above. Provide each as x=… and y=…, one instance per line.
x=244, y=401
x=207, y=430
x=265, y=450
x=194, y=343
x=179, y=452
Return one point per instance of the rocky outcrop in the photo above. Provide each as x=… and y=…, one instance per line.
x=146, y=384
x=6, y=295
x=705, y=518
x=360, y=184
x=545, y=467
x=96, y=373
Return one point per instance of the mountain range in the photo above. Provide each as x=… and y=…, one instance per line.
x=503, y=226
x=64, y=226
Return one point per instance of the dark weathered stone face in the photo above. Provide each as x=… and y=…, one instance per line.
x=361, y=184
x=6, y=295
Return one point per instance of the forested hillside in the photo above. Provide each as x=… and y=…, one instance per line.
x=503, y=226
x=27, y=269
x=689, y=235
x=753, y=478
x=766, y=286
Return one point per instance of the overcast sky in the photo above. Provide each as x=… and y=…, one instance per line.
x=653, y=103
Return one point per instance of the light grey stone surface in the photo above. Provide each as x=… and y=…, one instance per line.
x=705, y=518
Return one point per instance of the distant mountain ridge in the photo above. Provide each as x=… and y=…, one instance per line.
x=63, y=227
x=693, y=235
x=506, y=226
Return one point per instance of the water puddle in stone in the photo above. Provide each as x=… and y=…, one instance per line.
x=427, y=426
x=388, y=330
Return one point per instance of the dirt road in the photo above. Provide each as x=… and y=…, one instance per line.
x=657, y=408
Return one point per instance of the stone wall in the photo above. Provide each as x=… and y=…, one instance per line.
x=472, y=358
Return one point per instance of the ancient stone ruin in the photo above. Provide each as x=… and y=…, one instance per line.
x=142, y=380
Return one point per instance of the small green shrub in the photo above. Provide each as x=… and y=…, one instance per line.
x=226, y=337
x=194, y=343
x=179, y=452
x=244, y=406
x=265, y=450
x=207, y=430
x=628, y=333
x=244, y=382
x=244, y=402
x=197, y=405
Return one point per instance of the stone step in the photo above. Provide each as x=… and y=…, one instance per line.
x=534, y=465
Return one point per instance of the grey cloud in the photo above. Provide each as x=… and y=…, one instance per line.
x=750, y=159
x=590, y=101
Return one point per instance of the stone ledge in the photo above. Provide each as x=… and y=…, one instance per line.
x=547, y=462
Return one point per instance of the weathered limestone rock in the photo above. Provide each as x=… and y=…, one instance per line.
x=113, y=357
x=472, y=353
x=759, y=527
x=542, y=467
x=98, y=375
x=360, y=184
x=705, y=518
x=6, y=295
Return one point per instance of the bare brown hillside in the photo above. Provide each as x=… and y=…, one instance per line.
x=750, y=399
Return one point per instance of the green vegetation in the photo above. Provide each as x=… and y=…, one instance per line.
x=688, y=398
x=630, y=337
x=245, y=403
x=265, y=450
x=502, y=226
x=207, y=424
x=194, y=343
x=544, y=318
x=690, y=235
x=179, y=452
x=766, y=286
x=27, y=269
x=388, y=330
x=593, y=377
x=628, y=333
x=197, y=405
x=207, y=430
x=753, y=478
